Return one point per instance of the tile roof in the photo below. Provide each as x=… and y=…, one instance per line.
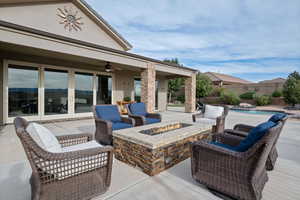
x=225, y=78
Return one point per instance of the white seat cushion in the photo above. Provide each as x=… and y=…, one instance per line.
x=206, y=121
x=44, y=137
x=213, y=112
x=82, y=146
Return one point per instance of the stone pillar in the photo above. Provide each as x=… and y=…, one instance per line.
x=190, y=94
x=148, y=87
x=1, y=92
x=162, y=94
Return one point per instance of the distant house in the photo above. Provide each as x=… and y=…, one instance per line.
x=219, y=79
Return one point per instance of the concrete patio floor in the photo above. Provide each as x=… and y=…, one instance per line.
x=175, y=183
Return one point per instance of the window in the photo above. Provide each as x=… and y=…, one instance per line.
x=22, y=91
x=56, y=92
x=103, y=88
x=83, y=92
x=137, y=90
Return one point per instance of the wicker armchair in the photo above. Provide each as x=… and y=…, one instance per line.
x=75, y=175
x=104, y=124
x=220, y=121
x=138, y=112
x=242, y=130
x=241, y=175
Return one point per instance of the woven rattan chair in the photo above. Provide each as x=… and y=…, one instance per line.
x=242, y=130
x=105, y=126
x=75, y=175
x=138, y=112
x=241, y=175
x=220, y=121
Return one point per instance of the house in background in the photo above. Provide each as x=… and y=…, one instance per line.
x=220, y=80
x=60, y=57
x=275, y=80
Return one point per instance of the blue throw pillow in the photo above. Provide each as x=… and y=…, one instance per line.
x=109, y=112
x=138, y=109
x=254, y=136
x=277, y=117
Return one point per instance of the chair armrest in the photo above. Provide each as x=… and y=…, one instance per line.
x=69, y=140
x=236, y=132
x=243, y=127
x=197, y=115
x=139, y=119
x=128, y=120
x=154, y=115
x=224, y=138
x=220, y=124
x=103, y=133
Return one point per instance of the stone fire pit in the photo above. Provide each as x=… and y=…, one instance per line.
x=156, y=147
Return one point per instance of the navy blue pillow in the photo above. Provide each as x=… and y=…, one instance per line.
x=109, y=112
x=277, y=117
x=254, y=136
x=138, y=109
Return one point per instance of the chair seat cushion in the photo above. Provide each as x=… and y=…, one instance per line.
x=138, y=109
x=213, y=112
x=277, y=117
x=82, y=146
x=206, y=121
x=44, y=137
x=254, y=136
x=120, y=125
x=152, y=120
x=108, y=112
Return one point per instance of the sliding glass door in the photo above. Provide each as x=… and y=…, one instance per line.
x=22, y=91
x=56, y=92
x=103, y=89
x=83, y=92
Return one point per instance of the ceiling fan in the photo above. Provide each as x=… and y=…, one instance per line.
x=109, y=68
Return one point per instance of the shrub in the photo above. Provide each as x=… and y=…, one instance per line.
x=203, y=86
x=248, y=95
x=181, y=98
x=230, y=98
x=291, y=89
x=217, y=92
x=277, y=93
x=127, y=99
x=262, y=100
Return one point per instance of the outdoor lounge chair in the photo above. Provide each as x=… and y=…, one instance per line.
x=242, y=130
x=214, y=115
x=64, y=167
x=108, y=119
x=235, y=167
x=138, y=112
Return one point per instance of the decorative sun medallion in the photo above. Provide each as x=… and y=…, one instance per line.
x=69, y=19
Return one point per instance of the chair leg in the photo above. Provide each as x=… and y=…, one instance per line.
x=220, y=194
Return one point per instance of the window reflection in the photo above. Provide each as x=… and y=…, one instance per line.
x=83, y=92
x=22, y=91
x=103, y=87
x=56, y=92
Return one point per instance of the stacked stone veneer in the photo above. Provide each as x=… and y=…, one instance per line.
x=148, y=87
x=154, y=161
x=190, y=94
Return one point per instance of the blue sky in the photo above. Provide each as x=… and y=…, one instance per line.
x=251, y=39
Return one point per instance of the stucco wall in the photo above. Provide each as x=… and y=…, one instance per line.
x=123, y=85
x=44, y=17
x=259, y=88
x=162, y=94
x=1, y=91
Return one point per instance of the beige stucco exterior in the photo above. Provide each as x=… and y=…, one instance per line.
x=31, y=35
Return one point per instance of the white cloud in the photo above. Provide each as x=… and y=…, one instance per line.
x=198, y=31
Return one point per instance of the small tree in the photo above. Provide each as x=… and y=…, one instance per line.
x=175, y=84
x=203, y=86
x=291, y=89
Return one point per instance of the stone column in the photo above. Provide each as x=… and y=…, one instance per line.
x=148, y=87
x=1, y=92
x=162, y=94
x=190, y=94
